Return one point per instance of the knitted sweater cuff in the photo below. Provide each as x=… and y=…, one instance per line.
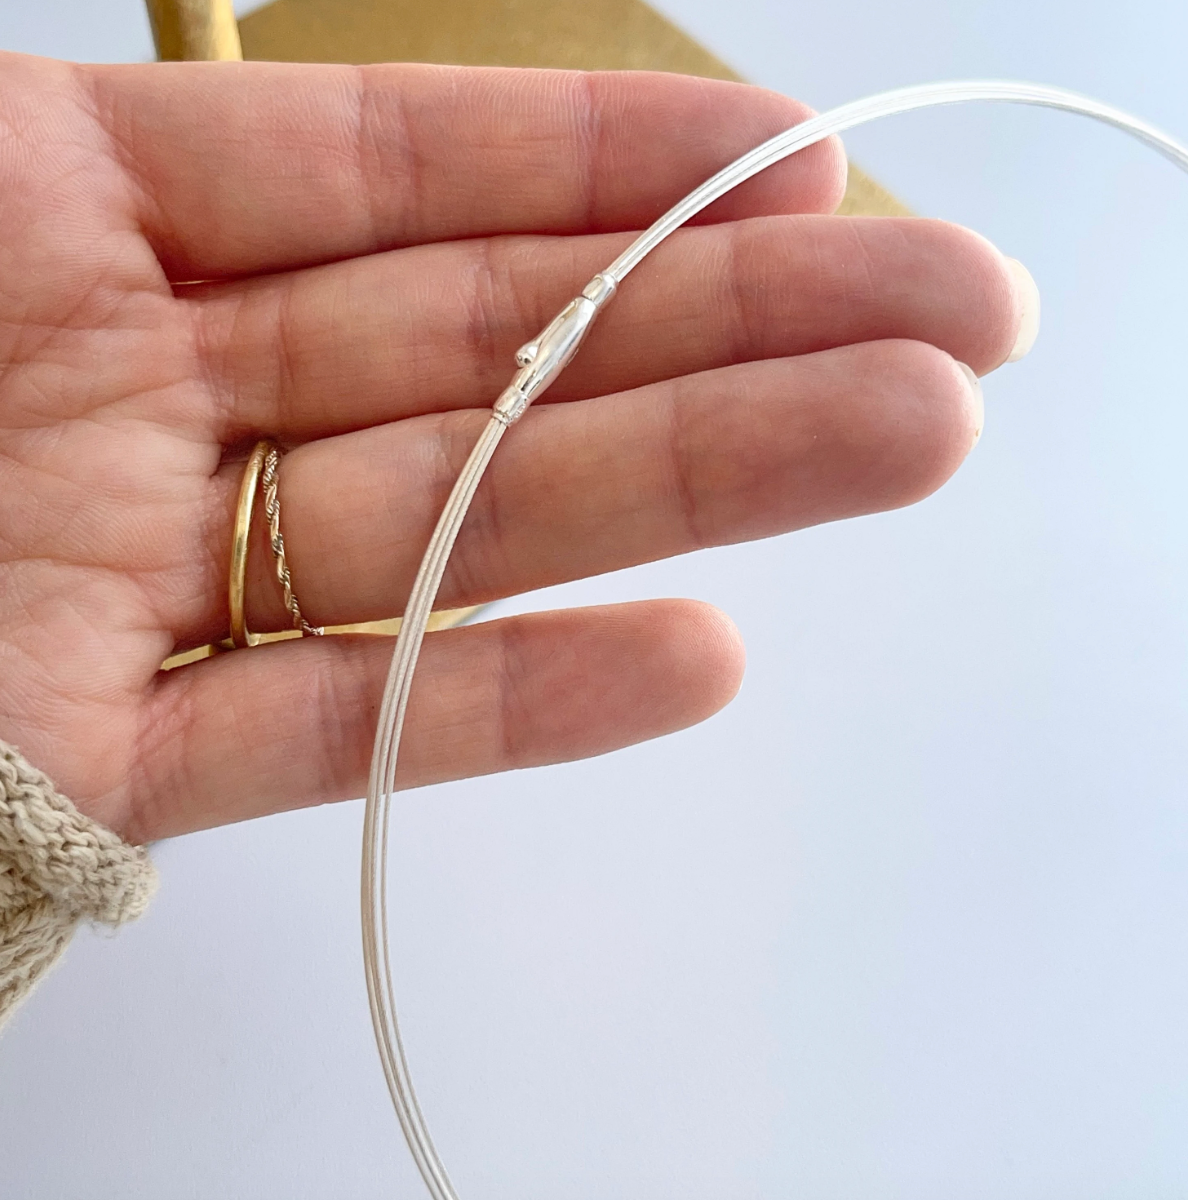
x=57, y=868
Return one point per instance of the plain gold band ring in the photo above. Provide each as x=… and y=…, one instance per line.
x=241, y=636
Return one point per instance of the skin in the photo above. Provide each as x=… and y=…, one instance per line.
x=196, y=255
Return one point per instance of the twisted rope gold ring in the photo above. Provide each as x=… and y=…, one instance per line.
x=270, y=478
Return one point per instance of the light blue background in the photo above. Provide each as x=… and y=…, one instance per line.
x=909, y=921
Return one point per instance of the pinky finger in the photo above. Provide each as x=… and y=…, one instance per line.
x=291, y=724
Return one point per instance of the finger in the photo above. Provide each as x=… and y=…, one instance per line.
x=323, y=351
x=265, y=166
x=577, y=489
x=292, y=724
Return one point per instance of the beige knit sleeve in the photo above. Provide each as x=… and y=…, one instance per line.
x=57, y=868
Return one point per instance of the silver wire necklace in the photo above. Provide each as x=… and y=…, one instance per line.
x=540, y=361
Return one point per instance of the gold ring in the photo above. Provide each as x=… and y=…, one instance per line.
x=241, y=636
x=270, y=478
x=264, y=453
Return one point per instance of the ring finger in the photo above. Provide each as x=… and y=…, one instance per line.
x=591, y=486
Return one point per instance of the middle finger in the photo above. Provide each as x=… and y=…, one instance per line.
x=433, y=328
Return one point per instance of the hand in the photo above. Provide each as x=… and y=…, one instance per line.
x=196, y=255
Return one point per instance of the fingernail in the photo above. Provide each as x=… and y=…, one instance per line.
x=975, y=390
x=1029, y=305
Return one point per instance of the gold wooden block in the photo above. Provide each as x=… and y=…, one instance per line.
x=194, y=30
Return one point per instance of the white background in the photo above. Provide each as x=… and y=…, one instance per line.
x=909, y=920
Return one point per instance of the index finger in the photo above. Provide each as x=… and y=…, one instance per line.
x=248, y=167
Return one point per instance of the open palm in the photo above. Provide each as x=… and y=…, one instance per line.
x=193, y=256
